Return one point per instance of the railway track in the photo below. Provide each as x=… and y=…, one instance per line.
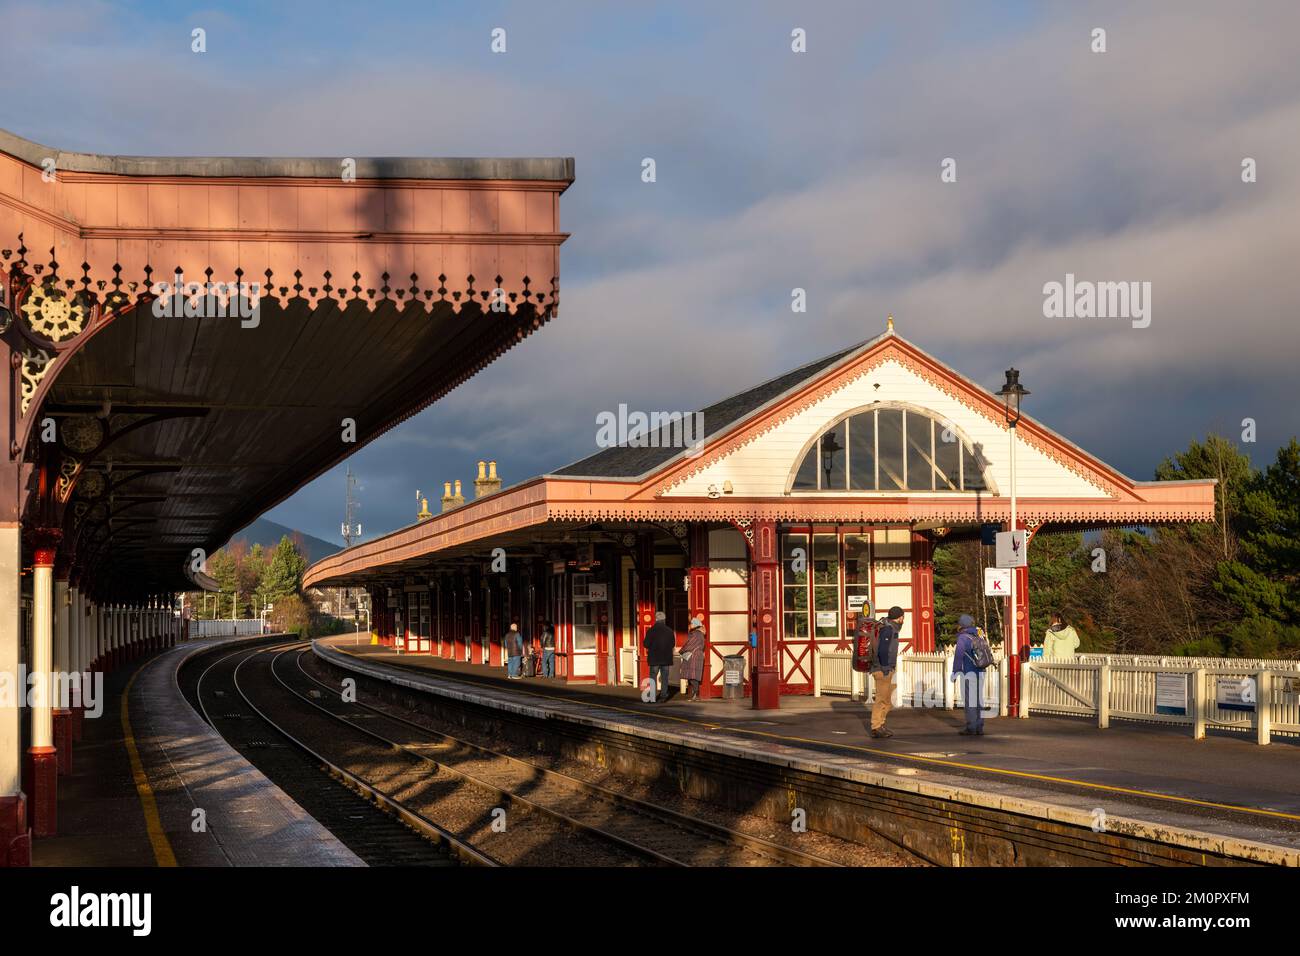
x=505, y=809
x=660, y=834
x=378, y=832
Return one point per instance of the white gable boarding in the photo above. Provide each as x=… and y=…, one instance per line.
x=762, y=468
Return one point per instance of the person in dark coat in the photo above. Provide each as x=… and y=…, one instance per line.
x=971, y=677
x=883, y=671
x=660, y=642
x=514, y=652
x=692, y=653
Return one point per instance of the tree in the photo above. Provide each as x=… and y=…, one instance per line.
x=284, y=571
x=1263, y=583
x=1219, y=459
x=1057, y=567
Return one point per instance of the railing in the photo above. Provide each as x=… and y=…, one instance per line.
x=922, y=680
x=225, y=627
x=1235, y=695
x=1149, y=660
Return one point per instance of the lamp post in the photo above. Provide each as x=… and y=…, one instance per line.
x=829, y=447
x=1012, y=392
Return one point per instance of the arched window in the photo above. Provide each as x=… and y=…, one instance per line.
x=890, y=448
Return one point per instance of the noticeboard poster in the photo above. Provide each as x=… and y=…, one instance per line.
x=1234, y=693
x=1171, y=694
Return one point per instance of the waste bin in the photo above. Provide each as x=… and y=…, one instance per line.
x=733, y=677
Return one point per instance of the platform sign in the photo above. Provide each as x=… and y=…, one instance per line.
x=1290, y=690
x=1010, y=551
x=1171, y=694
x=857, y=602
x=597, y=592
x=1234, y=693
x=997, y=582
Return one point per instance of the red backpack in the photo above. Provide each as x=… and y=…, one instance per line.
x=865, y=644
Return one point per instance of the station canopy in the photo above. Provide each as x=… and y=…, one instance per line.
x=324, y=301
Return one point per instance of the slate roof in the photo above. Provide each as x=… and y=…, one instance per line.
x=625, y=461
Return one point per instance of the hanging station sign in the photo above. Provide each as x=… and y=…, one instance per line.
x=1010, y=550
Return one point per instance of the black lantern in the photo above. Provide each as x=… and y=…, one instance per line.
x=1012, y=392
x=829, y=447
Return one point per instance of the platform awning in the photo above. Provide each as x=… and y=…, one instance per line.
x=379, y=285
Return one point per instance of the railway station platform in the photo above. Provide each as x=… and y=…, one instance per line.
x=1220, y=798
x=154, y=785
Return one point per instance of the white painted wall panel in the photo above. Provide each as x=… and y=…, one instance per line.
x=729, y=628
x=728, y=599
x=727, y=573
x=728, y=543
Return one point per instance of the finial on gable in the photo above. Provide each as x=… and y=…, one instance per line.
x=889, y=327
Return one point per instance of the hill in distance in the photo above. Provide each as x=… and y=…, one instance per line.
x=268, y=534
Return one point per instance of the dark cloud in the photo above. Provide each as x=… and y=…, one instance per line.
x=774, y=171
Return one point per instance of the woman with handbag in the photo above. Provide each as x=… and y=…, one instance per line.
x=692, y=654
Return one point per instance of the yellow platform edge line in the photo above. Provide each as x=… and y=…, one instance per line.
x=162, y=848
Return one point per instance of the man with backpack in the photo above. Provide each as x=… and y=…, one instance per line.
x=971, y=657
x=883, y=664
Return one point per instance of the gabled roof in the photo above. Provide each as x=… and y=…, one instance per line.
x=628, y=484
x=630, y=463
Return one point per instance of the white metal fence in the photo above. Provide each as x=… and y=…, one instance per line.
x=226, y=627
x=922, y=680
x=1147, y=660
x=1226, y=695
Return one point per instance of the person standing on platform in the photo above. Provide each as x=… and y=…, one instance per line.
x=548, y=649
x=660, y=642
x=693, y=652
x=1061, y=641
x=882, y=673
x=514, y=652
x=972, y=677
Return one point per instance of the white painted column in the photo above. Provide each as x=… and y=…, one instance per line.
x=42, y=652
x=115, y=633
x=61, y=650
x=74, y=629
x=61, y=654
x=87, y=632
x=41, y=755
x=96, y=633
x=10, y=630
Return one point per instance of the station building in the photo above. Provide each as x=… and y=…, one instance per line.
x=803, y=502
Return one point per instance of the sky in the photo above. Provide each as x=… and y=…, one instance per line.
x=775, y=170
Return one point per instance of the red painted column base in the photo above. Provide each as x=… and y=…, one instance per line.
x=63, y=740
x=765, y=689
x=15, y=838
x=40, y=780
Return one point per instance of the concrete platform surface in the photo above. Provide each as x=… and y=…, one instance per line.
x=141, y=771
x=1221, y=793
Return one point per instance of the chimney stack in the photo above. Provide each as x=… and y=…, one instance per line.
x=425, y=514
x=457, y=498
x=489, y=483
x=448, y=500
